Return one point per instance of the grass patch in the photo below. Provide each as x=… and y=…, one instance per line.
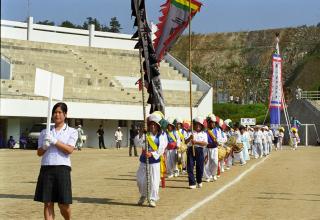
x=235, y=112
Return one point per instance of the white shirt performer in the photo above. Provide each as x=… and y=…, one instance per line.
x=198, y=140
x=211, y=150
x=54, y=181
x=281, y=136
x=118, y=136
x=157, y=142
x=257, y=141
x=171, y=150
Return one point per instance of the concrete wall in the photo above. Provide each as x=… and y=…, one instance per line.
x=91, y=126
x=62, y=35
x=38, y=108
x=13, y=128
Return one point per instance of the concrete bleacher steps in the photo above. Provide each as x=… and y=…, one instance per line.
x=315, y=103
x=91, y=74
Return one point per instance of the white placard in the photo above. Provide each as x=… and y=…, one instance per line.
x=248, y=121
x=42, y=84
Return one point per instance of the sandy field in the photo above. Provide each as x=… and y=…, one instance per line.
x=286, y=185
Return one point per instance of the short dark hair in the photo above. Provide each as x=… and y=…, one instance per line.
x=63, y=106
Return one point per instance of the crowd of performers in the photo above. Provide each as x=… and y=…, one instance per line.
x=212, y=146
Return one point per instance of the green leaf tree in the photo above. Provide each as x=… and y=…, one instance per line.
x=67, y=24
x=46, y=22
x=114, y=25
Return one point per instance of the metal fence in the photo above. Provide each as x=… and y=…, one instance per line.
x=308, y=134
x=311, y=95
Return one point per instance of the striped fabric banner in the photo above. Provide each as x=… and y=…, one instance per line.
x=174, y=19
x=275, y=104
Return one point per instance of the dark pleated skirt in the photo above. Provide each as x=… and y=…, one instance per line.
x=54, y=185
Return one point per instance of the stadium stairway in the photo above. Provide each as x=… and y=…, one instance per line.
x=307, y=112
x=90, y=73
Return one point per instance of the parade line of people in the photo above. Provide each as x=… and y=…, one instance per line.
x=211, y=147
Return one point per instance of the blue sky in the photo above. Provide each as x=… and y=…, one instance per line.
x=215, y=16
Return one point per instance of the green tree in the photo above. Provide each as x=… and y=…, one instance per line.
x=46, y=22
x=114, y=25
x=67, y=24
x=94, y=21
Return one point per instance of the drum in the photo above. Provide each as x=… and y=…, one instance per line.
x=238, y=147
x=228, y=151
x=222, y=152
x=182, y=148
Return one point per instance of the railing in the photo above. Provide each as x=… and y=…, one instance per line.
x=311, y=95
x=62, y=35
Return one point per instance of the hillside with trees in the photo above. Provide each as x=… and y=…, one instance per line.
x=239, y=64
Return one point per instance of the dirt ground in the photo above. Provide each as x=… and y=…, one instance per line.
x=285, y=186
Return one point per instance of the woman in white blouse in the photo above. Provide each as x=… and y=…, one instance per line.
x=54, y=181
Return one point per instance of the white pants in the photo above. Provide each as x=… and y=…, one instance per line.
x=258, y=149
x=294, y=143
x=171, y=161
x=280, y=143
x=221, y=163
x=270, y=146
x=154, y=180
x=211, y=167
x=238, y=157
x=229, y=160
x=265, y=147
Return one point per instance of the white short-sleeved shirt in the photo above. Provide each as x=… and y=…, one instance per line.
x=257, y=136
x=199, y=136
x=118, y=135
x=54, y=156
x=237, y=134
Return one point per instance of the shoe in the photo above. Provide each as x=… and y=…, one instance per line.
x=218, y=176
x=141, y=200
x=215, y=178
x=222, y=170
x=192, y=187
x=241, y=164
x=227, y=168
x=199, y=185
x=208, y=180
x=152, y=203
x=261, y=156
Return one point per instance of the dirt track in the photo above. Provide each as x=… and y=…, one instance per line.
x=285, y=186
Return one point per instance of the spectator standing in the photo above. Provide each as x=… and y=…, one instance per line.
x=118, y=136
x=133, y=134
x=100, y=134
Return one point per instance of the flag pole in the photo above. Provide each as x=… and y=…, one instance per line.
x=190, y=79
x=141, y=31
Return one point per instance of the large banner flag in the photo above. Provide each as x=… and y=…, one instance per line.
x=149, y=62
x=275, y=104
x=174, y=19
